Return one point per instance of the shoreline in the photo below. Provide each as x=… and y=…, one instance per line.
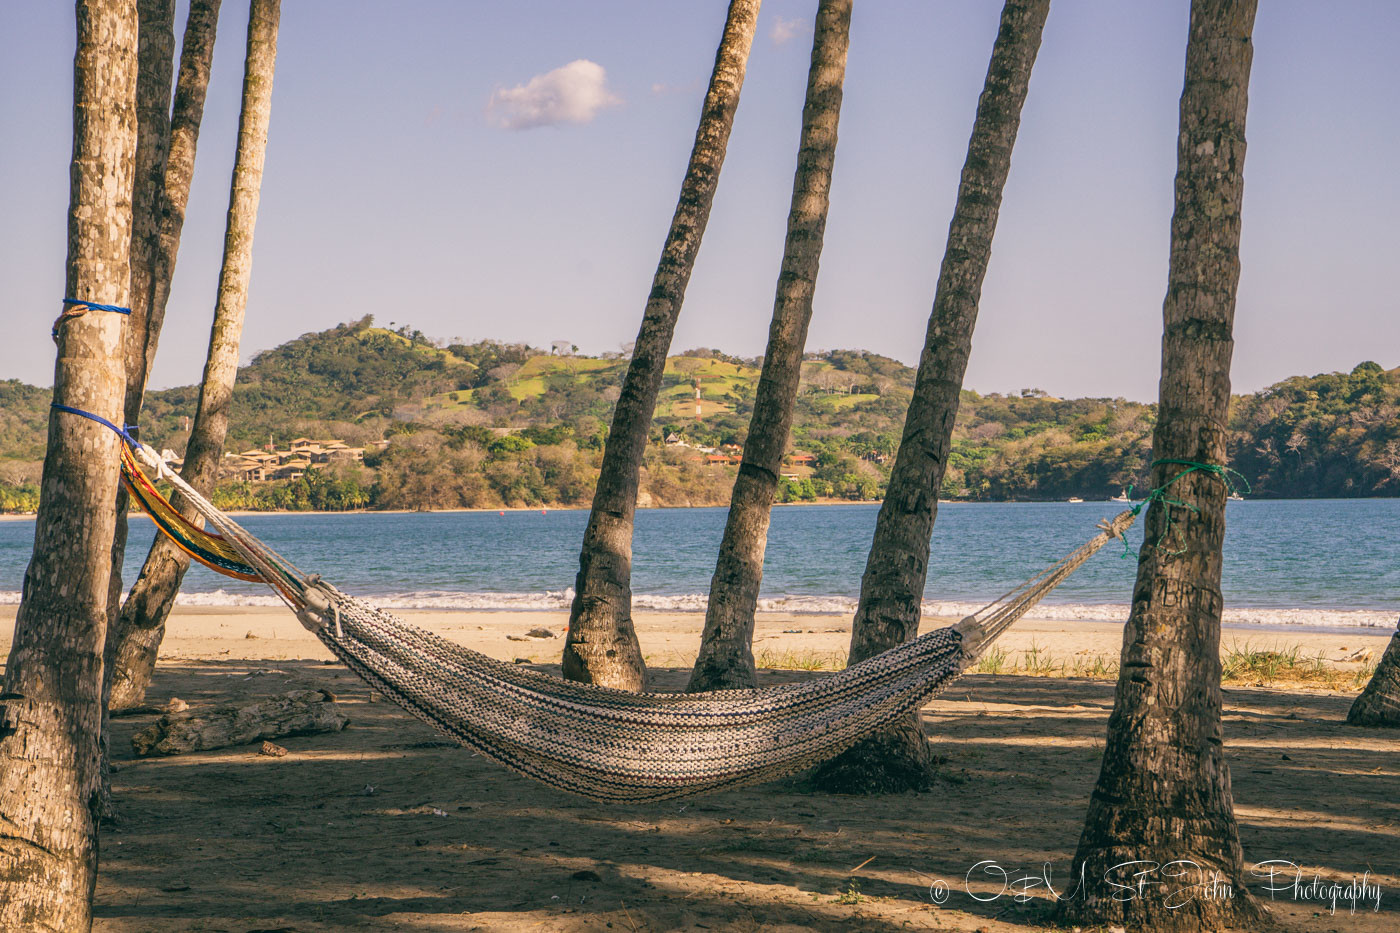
x=1245, y=621
x=782, y=640
x=1238, y=621
x=23, y=516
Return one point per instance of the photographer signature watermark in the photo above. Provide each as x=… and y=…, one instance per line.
x=1177, y=883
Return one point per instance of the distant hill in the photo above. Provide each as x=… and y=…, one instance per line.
x=489, y=424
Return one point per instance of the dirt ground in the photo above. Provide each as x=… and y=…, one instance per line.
x=386, y=827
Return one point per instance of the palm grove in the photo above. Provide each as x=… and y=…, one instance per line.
x=598, y=428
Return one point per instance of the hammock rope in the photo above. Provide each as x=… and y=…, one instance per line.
x=1159, y=494
x=598, y=742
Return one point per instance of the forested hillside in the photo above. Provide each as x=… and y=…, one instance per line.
x=491, y=424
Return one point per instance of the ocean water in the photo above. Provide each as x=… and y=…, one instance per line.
x=1300, y=564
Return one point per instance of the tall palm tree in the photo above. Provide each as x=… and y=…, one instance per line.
x=50, y=707
x=896, y=569
x=1379, y=703
x=726, y=650
x=143, y=616
x=136, y=632
x=154, y=62
x=1163, y=794
x=602, y=645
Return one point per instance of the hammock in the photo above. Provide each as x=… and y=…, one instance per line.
x=598, y=742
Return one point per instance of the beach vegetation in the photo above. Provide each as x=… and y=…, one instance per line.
x=355, y=383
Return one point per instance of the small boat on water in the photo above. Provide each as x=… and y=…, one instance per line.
x=1235, y=497
x=1074, y=499
x=1121, y=497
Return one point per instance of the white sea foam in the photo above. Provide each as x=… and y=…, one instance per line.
x=557, y=600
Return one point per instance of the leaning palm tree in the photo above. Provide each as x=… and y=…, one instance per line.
x=602, y=645
x=50, y=707
x=134, y=636
x=142, y=621
x=1379, y=703
x=726, y=649
x=1163, y=794
x=896, y=569
x=165, y=147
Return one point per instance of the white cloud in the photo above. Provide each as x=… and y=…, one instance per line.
x=574, y=93
x=785, y=30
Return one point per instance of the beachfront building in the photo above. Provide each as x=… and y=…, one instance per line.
x=258, y=466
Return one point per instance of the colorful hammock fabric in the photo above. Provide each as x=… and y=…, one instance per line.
x=210, y=549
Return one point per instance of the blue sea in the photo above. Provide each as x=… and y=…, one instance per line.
x=1300, y=564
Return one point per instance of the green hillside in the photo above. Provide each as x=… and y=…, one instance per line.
x=490, y=424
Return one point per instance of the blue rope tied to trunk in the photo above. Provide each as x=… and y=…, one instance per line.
x=76, y=306
x=1159, y=494
x=125, y=432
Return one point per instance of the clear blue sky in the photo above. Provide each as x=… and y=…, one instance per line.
x=408, y=177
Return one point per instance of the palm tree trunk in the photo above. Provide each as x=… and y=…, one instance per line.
x=1379, y=703
x=141, y=623
x=896, y=569
x=156, y=60
x=1163, y=794
x=726, y=650
x=602, y=645
x=135, y=636
x=154, y=63
x=50, y=709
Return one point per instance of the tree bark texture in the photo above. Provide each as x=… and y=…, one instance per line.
x=141, y=622
x=154, y=64
x=173, y=184
x=156, y=61
x=602, y=645
x=50, y=708
x=1379, y=703
x=135, y=636
x=896, y=569
x=726, y=650
x=1162, y=803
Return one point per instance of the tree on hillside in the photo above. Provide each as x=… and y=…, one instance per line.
x=50, y=706
x=166, y=144
x=142, y=620
x=1163, y=794
x=602, y=645
x=896, y=569
x=726, y=649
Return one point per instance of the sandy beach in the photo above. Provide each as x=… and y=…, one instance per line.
x=385, y=826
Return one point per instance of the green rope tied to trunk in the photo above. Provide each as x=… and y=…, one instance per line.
x=1159, y=494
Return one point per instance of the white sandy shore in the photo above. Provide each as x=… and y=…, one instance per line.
x=671, y=639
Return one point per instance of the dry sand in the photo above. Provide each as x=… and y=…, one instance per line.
x=386, y=827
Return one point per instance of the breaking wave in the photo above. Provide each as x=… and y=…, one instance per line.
x=558, y=600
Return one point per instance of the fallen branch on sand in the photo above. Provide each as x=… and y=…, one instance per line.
x=299, y=712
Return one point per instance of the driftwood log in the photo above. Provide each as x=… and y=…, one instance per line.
x=299, y=712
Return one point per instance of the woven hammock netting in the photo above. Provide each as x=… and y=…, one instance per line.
x=601, y=743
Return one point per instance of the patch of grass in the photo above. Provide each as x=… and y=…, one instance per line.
x=1038, y=663
x=1278, y=666
x=851, y=896
x=1244, y=664
x=993, y=662
x=837, y=402
x=1099, y=667
x=790, y=660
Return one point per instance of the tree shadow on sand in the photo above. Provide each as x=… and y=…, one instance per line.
x=385, y=826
